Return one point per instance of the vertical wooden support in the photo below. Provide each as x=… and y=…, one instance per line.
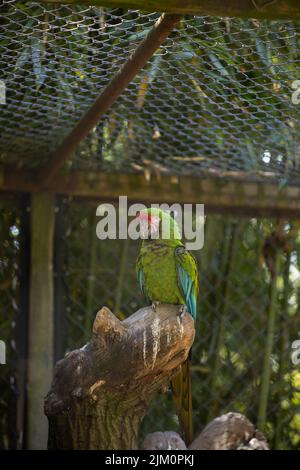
x=59, y=327
x=41, y=323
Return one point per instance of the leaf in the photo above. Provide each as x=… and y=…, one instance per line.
x=112, y=123
x=154, y=67
x=23, y=58
x=37, y=49
x=264, y=54
x=66, y=89
x=142, y=90
x=138, y=35
x=217, y=64
x=185, y=55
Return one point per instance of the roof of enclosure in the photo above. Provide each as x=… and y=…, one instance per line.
x=219, y=97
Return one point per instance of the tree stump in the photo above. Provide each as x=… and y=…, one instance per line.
x=231, y=431
x=101, y=392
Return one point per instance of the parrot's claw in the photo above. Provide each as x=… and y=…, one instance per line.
x=154, y=305
x=182, y=311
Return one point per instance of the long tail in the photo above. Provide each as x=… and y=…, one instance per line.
x=182, y=395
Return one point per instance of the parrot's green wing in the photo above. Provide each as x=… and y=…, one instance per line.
x=187, y=276
x=140, y=276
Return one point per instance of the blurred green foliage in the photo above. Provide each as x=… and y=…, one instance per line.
x=216, y=95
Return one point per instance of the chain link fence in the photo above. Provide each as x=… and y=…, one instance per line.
x=217, y=97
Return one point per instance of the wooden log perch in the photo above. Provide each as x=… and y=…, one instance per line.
x=232, y=431
x=101, y=392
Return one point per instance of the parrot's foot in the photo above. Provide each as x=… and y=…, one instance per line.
x=182, y=311
x=154, y=305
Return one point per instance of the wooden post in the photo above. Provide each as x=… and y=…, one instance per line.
x=41, y=323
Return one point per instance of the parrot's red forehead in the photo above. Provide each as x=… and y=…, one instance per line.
x=145, y=216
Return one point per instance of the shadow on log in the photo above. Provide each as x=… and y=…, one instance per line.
x=101, y=392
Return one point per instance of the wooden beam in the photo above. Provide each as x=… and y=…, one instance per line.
x=227, y=193
x=40, y=341
x=158, y=33
x=269, y=9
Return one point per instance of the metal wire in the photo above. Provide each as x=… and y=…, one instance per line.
x=216, y=98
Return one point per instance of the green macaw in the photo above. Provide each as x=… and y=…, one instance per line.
x=167, y=273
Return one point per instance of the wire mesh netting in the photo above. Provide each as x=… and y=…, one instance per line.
x=215, y=98
x=232, y=327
